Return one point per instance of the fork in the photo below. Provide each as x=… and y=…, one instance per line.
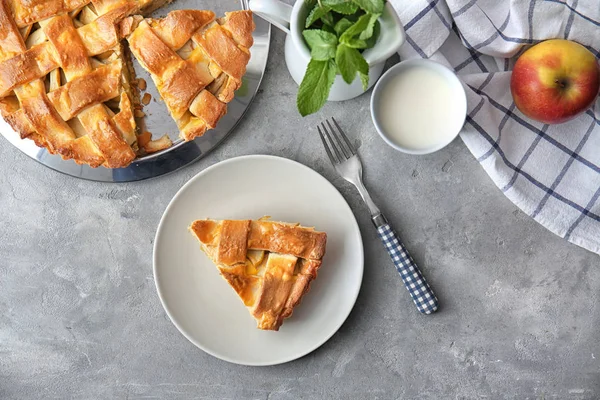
x=345, y=159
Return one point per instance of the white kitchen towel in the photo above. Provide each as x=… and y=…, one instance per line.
x=551, y=172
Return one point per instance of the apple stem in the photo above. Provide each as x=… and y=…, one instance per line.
x=561, y=82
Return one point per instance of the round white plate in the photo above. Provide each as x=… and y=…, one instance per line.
x=202, y=305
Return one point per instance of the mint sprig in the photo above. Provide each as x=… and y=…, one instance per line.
x=337, y=31
x=315, y=86
x=322, y=44
x=349, y=62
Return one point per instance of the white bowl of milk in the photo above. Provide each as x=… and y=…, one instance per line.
x=419, y=106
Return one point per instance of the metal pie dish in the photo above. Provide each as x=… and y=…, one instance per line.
x=158, y=121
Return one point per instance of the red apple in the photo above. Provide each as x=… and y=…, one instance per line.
x=555, y=80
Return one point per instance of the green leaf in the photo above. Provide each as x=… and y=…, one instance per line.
x=322, y=44
x=353, y=18
x=364, y=78
x=373, y=39
x=328, y=28
x=349, y=62
x=356, y=29
x=328, y=19
x=315, y=14
x=370, y=6
x=356, y=43
x=341, y=6
x=315, y=87
x=368, y=32
x=342, y=25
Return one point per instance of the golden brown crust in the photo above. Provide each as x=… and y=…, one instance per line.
x=241, y=282
x=240, y=25
x=68, y=116
x=280, y=279
x=274, y=290
x=208, y=108
x=27, y=12
x=276, y=237
x=62, y=72
x=284, y=238
x=107, y=139
x=98, y=86
x=12, y=41
x=178, y=26
x=223, y=50
x=177, y=80
x=185, y=53
x=233, y=242
x=307, y=274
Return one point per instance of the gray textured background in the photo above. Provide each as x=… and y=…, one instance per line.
x=80, y=317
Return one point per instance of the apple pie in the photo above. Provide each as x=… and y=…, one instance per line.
x=196, y=62
x=269, y=264
x=66, y=80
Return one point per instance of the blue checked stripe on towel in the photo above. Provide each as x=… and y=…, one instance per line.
x=418, y=288
x=551, y=172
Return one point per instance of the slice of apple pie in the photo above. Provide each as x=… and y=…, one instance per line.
x=269, y=264
x=196, y=62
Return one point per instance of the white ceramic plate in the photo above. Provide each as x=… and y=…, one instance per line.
x=203, y=306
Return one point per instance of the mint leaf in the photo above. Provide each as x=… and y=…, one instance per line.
x=322, y=44
x=341, y=6
x=356, y=35
x=371, y=6
x=364, y=78
x=328, y=28
x=328, y=19
x=357, y=28
x=315, y=14
x=314, y=89
x=373, y=39
x=349, y=62
x=368, y=32
x=341, y=26
x=356, y=43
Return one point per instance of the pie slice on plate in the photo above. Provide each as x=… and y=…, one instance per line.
x=196, y=62
x=269, y=264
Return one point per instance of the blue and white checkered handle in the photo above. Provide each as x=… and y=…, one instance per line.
x=414, y=281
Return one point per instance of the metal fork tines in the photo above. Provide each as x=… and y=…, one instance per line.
x=345, y=159
x=342, y=151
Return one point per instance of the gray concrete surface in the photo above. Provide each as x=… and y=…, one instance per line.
x=80, y=317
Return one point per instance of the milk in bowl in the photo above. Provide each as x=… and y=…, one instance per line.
x=418, y=106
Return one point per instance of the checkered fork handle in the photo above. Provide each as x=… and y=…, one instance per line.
x=414, y=281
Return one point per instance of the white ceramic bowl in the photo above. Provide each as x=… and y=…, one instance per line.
x=458, y=93
x=297, y=54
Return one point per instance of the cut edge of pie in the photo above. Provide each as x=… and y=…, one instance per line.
x=269, y=264
x=67, y=81
x=62, y=77
x=196, y=62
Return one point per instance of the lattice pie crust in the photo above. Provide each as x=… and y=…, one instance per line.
x=66, y=81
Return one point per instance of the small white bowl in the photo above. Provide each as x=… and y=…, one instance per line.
x=458, y=93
